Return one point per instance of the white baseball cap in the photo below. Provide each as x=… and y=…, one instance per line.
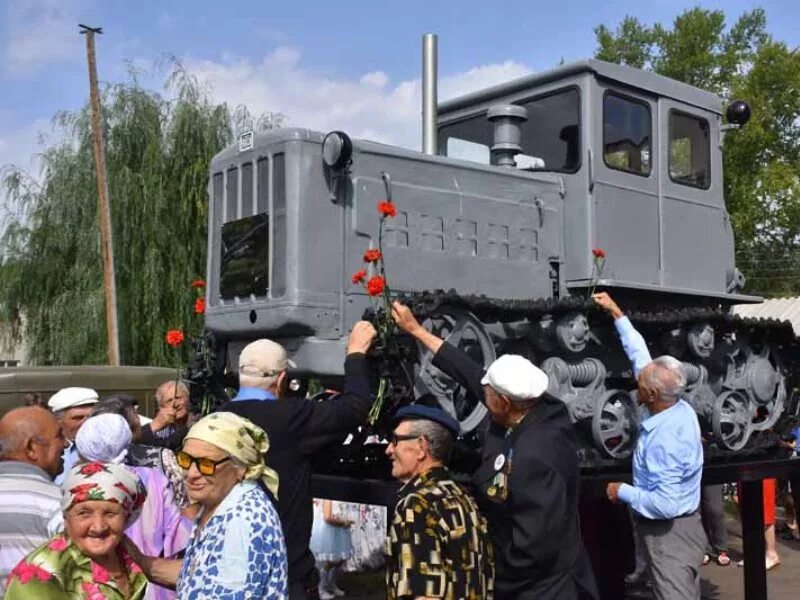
x=264, y=358
x=516, y=377
x=71, y=397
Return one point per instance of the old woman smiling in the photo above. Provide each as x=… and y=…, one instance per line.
x=87, y=561
x=237, y=548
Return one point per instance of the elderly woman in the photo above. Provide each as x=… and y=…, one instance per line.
x=87, y=561
x=160, y=529
x=237, y=548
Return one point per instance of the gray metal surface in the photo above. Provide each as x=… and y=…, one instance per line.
x=430, y=96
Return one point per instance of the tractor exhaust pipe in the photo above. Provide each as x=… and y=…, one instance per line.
x=430, y=109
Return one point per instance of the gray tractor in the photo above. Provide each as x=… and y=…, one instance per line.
x=522, y=185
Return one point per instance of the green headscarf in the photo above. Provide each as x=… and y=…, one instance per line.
x=240, y=438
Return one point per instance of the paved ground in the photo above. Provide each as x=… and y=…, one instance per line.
x=719, y=583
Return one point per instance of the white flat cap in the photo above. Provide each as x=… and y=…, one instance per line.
x=264, y=358
x=71, y=397
x=516, y=377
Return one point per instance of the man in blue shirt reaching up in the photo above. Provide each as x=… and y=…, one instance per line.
x=667, y=468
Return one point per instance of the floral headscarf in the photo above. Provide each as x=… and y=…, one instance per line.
x=240, y=438
x=104, y=482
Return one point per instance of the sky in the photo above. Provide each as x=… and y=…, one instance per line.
x=351, y=65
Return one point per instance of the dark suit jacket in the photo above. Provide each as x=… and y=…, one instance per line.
x=535, y=532
x=298, y=428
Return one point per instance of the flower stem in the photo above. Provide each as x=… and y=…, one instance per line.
x=375, y=410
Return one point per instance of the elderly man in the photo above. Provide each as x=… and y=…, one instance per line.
x=31, y=444
x=438, y=545
x=71, y=407
x=528, y=480
x=171, y=422
x=297, y=428
x=667, y=468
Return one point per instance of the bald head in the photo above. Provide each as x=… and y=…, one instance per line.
x=33, y=435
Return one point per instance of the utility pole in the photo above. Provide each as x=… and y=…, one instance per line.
x=103, y=210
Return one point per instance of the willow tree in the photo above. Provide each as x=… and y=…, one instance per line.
x=158, y=149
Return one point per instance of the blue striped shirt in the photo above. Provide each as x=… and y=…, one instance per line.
x=668, y=460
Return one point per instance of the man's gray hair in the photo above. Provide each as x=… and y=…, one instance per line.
x=181, y=387
x=667, y=377
x=440, y=440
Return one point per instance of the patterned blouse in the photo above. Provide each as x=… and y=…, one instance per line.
x=438, y=544
x=239, y=554
x=57, y=570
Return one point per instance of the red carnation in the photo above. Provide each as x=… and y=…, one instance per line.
x=375, y=286
x=372, y=255
x=359, y=276
x=387, y=209
x=200, y=306
x=598, y=252
x=198, y=283
x=174, y=337
x=92, y=468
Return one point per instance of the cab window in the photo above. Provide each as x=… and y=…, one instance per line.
x=627, y=135
x=550, y=134
x=689, y=150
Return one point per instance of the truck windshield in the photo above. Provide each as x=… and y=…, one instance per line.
x=550, y=136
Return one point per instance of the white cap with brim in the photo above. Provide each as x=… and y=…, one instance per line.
x=71, y=397
x=516, y=377
x=264, y=358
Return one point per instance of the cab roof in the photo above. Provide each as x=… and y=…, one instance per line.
x=635, y=78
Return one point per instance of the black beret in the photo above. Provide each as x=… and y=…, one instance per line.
x=430, y=413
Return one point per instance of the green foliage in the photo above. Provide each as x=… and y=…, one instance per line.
x=761, y=161
x=157, y=152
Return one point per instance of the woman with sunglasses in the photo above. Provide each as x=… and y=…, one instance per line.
x=237, y=548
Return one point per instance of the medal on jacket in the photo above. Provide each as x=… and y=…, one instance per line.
x=499, y=462
x=498, y=490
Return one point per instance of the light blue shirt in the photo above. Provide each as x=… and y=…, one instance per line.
x=251, y=393
x=70, y=458
x=668, y=460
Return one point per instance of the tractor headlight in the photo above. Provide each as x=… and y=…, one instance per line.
x=337, y=149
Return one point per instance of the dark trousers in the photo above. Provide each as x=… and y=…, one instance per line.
x=305, y=590
x=675, y=549
x=713, y=516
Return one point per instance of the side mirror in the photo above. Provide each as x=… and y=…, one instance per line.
x=738, y=113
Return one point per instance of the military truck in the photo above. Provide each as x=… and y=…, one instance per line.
x=141, y=382
x=526, y=186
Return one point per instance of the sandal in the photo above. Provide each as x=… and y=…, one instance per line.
x=723, y=560
x=706, y=559
x=767, y=566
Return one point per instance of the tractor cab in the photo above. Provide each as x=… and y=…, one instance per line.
x=640, y=161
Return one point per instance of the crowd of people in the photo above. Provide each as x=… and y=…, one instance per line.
x=94, y=504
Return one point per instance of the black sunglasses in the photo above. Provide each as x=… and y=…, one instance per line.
x=396, y=438
x=206, y=466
